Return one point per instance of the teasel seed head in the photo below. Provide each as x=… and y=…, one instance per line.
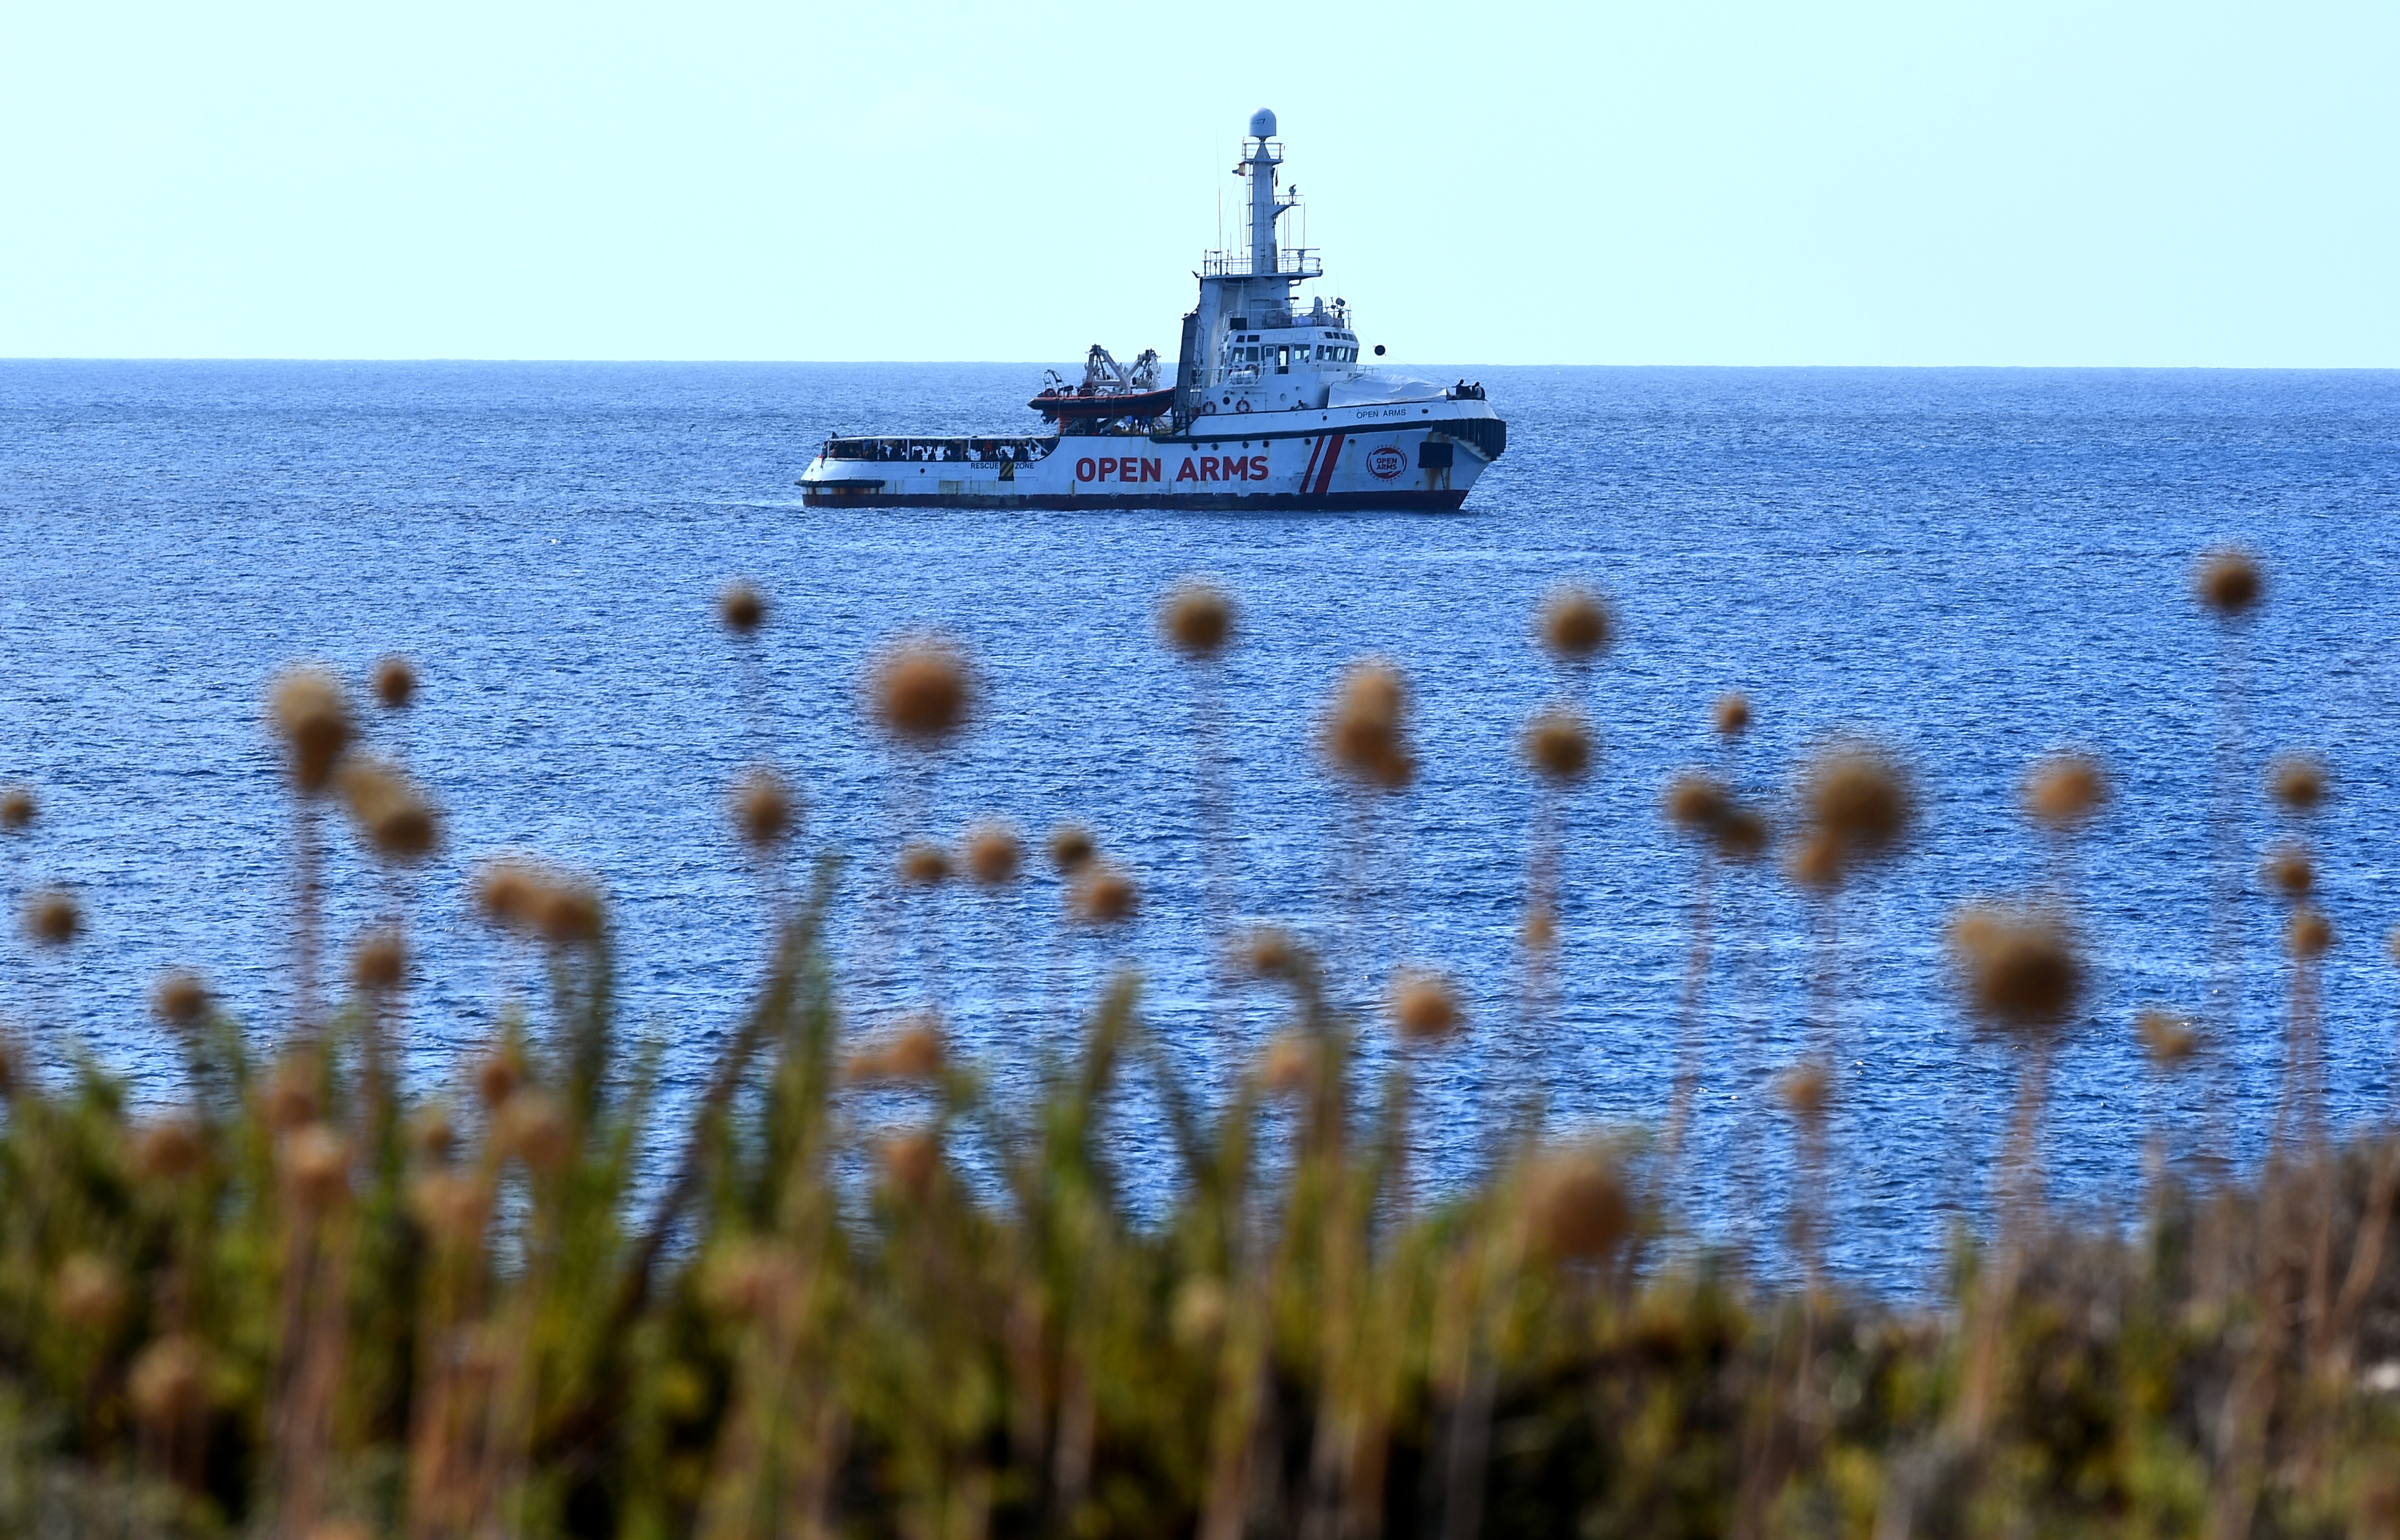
x=1366, y=728
x=52, y=917
x=994, y=854
x=1696, y=802
x=1858, y=793
x=532, y=1129
x=380, y=962
x=317, y=1165
x=1732, y=715
x=2298, y=783
x=1817, y=863
x=167, y=1150
x=571, y=914
x=510, y=893
x=2169, y=1039
x=168, y=1383
x=1558, y=745
x=2229, y=583
x=2290, y=871
x=742, y=607
x=914, y=1052
x=1576, y=626
x=2020, y=967
x=764, y=809
x=922, y=692
x=2310, y=934
x=1198, y=619
x=180, y=999
x=88, y=1292
x=1741, y=836
x=2064, y=792
x=15, y=809
x=1105, y=895
x=1070, y=848
x=394, y=683
x=313, y=718
x=1424, y=1005
x=1540, y=929
x=1577, y=1207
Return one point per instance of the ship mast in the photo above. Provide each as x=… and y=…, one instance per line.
x=1243, y=288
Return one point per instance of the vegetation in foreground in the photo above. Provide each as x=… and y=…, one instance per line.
x=304, y=1301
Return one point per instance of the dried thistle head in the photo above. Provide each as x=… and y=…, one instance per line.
x=1424, y=1005
x=1070, y=848
x=1289, y=1064
x=180, y=999
x=1540, y=928
x=911, y=1163
x=452, y=1208
x=52, y=917
x=379, y=961
x=1578, y=1205
x=914, y=1052
x=2229, y=583
x=532, y=1129
x=742, y=607
x=1559, y=746
x=2063, y=792
x=1270, y=952
x=994, y=854
x=1198, y=619
x=763, y=809
x=291, y=1097
x=1857, y=794
x=15, y=809
x=1105, y=895
x=167, y=1150
x=88, y=1292
x=499, y=1077
x=313, y=718
x=1731, y=714
x=921, y=692
x=1366, y=730
x=1741, y=834
x=510, y=893
x=1816, y=862
x=431, y=1134
x=316, y=1167
x=397, y=823
x=2290, y=872
x=2019, y=965
x=2298, y=783
x=168, y=1383
x=2310, y=934
x=2168, y=1040
x=1806, y=1089
x=1696, y=802
x=570, y=914
x=923, y=865
x=1574, y=625
x=394, y=683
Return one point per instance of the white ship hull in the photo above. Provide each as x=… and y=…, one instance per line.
x=1273, y=406
x=1410, y=454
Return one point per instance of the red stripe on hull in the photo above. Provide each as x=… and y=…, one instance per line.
x=1263, y=502
x=1332, y=457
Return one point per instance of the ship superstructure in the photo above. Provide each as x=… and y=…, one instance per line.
x=1273, y=405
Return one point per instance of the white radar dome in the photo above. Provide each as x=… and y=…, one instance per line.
x=1263, y=124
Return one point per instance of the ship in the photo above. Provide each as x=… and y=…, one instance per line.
x=1274, y=405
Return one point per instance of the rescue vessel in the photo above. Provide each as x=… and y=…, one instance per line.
x=1272, y=406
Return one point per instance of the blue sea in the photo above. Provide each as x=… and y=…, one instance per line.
x=1973, y=567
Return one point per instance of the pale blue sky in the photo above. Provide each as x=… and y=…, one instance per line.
x=1999, y=183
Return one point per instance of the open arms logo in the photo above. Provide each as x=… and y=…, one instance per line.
x=1386, y=462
